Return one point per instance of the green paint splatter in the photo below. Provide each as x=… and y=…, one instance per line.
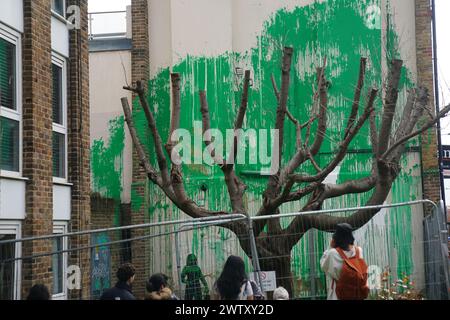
x=107, y=165
x=315, y=31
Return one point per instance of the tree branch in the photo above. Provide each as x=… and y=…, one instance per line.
x=357, y=98
x=322, y=114
x=204, y=109
x=389, y=106
x=239, y=120
x=161, y=158
x=273, y=186
x=408, y=137
x=344, y=144
x=143, y=159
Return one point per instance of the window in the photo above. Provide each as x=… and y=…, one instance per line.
x=7, y=252
x=59, y=7
x=59, y=262
x=10, y=103
x=7, y=74
x=59, y=104
x=10, y=269
x=9, y=143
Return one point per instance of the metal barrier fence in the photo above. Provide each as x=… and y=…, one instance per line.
x=398, y=238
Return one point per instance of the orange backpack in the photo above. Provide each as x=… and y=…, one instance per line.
x=352, y=283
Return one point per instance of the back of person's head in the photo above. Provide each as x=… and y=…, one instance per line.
x=126, y=272
x=343, y=237
x=280, y=294
x=192, y=260
x=157, y=282
x=39, y=292
x=232, y=278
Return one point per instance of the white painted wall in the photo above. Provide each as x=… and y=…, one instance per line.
x=109, y=72
x=160, y=31
x=60, y=37
x=62, y=202
x=12, y=199
x=11, y=14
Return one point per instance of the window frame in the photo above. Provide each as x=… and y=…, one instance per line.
x=61, y=227
x=57, y=14
x=13, y=228
x=15, y=38
x=61, y=62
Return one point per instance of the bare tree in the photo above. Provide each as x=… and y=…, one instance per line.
x=274, y=243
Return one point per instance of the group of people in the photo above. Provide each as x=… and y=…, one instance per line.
x=233, y=284
x=342, y=263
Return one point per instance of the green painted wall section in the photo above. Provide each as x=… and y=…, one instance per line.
x=315, y=31
x=107, y=164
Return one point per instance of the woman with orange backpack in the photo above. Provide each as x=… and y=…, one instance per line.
x=345, y=267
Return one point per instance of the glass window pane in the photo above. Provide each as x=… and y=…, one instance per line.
x=57, y=266
x=58, y=7
x=9, y=144
x=7, y=74
x=7, y=276
x=57, y=94
x=59, y=159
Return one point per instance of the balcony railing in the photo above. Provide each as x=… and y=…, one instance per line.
x=107, y=25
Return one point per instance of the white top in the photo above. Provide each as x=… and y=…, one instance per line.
x=331, y=263
x=246, y=291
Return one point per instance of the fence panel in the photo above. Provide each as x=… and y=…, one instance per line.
x=398, y=244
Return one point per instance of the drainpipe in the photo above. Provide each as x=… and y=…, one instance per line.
x=437, y=102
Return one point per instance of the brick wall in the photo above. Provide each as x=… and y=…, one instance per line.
x=79, y=143
x=424, y=51
x=37, y=132
x=140, y=72
x=103, y=216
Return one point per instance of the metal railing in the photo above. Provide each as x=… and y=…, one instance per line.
x=107, y=25
x=160, y=234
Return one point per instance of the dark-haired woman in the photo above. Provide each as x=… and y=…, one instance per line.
x=233, y=283
x=332, y=262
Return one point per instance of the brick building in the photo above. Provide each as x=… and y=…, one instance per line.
x=44, y=145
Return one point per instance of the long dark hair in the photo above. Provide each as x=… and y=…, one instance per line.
x=343, y=237
x=232, y=278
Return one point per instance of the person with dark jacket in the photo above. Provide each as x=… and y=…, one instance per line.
x=39, y=292
x=122, y=290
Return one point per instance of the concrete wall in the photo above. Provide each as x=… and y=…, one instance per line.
x=109, y=72
x=207, y=41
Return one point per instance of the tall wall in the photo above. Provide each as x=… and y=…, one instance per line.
x=37, y=131
x=79, y=143
x=140, y=63
x=171, y=36
x=430, y=167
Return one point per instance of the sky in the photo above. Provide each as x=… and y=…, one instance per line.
x=108, y=5
x=443, y=27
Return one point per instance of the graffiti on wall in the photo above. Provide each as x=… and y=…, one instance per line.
x=100, y=265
